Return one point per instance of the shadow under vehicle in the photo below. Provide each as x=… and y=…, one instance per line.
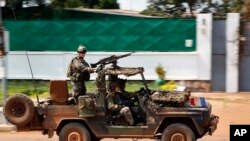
x=166, y=115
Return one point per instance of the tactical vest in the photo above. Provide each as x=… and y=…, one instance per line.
x=75, y=75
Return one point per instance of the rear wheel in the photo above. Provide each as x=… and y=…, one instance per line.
x=74, y=132
x=178, y=132
x=19, y=109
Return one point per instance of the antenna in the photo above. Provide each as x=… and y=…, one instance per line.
x=37, y=98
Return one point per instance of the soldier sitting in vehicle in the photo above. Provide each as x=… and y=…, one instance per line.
x=116, y=104
x=130, y=99
x=125, y=95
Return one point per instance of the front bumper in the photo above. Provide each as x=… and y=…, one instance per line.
x=213, y=121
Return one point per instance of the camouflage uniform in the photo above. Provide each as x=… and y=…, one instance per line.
x=117, y=107
x=78, y=73
x=101, y=89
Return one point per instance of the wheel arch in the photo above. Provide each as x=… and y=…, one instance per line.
x=66, y=121
x=184, y=120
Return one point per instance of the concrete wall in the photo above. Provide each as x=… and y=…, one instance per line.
x=232, y=50
x=53, y=65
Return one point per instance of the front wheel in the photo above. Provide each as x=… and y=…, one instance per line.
x=178, y=132
x=74, y=132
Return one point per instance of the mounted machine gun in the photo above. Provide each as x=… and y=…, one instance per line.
x=110, y=60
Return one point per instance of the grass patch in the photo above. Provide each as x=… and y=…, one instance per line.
x=27, y=87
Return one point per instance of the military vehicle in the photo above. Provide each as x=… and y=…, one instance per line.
x=165, y=115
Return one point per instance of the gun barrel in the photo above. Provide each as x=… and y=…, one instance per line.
x=128, y=54
x=111, y=59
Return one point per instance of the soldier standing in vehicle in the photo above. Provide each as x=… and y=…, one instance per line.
x=79, y=72
x=116, y=105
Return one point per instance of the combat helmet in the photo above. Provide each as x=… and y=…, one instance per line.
x=82, y=49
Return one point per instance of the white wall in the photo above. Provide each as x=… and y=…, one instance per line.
x=204, y=45
x=179, y=66
x=134, y=5
x=232, y=49
x=53, y=65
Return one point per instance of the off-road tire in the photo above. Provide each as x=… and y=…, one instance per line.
x=19, y=109
x=74, y=131
x=178, y=131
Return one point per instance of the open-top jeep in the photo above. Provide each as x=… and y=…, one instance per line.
x=168, y=115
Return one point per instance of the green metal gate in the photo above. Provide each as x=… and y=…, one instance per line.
x=164, y=35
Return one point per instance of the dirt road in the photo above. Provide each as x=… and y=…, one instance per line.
x=230, y=111
x=36, y=136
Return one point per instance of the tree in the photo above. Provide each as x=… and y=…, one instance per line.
x=72, y=3
x=90, y=3
x=170, y=8
x=58, y=3
x=177, y=8
x=14, y=3
x=246, y=9
x=100, y=4
x=108, y=4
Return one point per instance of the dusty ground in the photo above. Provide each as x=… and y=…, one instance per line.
x=230, y=112
x=232, y=109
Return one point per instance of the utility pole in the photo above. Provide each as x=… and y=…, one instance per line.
x=2, y=55
x=2, y=52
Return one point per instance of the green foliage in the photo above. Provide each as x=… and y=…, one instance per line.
x=100, y=4
x=169, y=8
x=245, y=12
x=90, y=3
x=108, y=4
x=73, y=3
x=58, y=3
x=14, y=3
x=1, y=100
x=175, y=8
x=155, y=11
x=28, y=87
x=236, y=6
